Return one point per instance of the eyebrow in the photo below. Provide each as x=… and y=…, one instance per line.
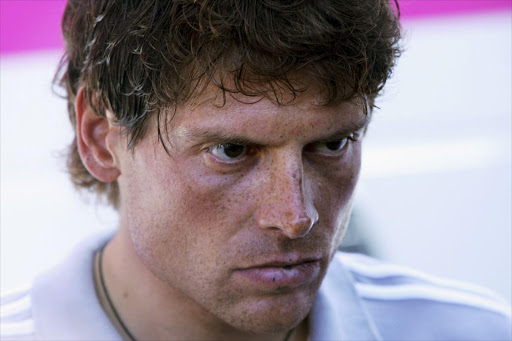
x=200, y=135
x=217, y=136
x=346, y=130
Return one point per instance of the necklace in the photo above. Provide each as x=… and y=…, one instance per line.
x=106, y=301
x=289, y=334
x=110, y=309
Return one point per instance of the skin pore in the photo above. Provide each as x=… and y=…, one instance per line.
x=244, y=186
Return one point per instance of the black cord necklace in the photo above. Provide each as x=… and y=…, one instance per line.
x=289, y=334
x=118, y=319
x=127, y=335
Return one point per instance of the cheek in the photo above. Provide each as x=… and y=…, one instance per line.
x=336, y=182
x=219, y=202
x=334, y=192
x=183, y=212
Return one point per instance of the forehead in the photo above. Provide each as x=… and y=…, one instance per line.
x=260, y=118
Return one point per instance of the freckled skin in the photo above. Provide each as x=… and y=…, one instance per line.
x=192, y=221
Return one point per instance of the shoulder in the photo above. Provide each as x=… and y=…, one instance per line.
x=61, y=302
x=409, y=304
x=16, y=320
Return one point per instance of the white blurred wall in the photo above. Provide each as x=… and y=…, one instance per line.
x=436, y=180
x=435, y=187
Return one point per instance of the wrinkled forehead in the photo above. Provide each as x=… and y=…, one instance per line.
x=215, y=115
x=295, y=89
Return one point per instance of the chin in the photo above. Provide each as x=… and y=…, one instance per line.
x=268, y=324
x=273, y=314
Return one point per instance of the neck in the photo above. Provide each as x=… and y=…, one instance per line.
x=152, y=309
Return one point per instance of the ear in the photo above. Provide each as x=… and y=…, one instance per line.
x=96, y=139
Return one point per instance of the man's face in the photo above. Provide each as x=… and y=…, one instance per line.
x=244, y=215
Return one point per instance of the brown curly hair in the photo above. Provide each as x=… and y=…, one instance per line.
x=137, y=58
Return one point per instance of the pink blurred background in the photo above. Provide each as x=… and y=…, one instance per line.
x=35, y=24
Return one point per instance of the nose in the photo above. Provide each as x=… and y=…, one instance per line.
x=287, y=201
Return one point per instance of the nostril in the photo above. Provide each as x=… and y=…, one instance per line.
x=300, y=227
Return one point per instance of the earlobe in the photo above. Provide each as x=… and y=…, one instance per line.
x=95, y=138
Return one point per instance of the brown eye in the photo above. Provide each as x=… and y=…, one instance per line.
x=336, y=145
x=233, y=150
x=228, y=151
x=327, y=148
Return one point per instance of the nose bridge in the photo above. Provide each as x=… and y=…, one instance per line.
x=288, y=179
x=290, y=208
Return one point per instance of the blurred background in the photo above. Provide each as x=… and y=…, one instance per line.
x=435, y=190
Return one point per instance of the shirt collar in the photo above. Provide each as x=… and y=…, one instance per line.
x=64, y=300
x=338, y=313
x=65, y=304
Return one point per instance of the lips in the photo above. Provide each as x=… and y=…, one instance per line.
x=279, y=274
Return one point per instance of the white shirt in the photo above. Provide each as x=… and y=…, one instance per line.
x=360, y=299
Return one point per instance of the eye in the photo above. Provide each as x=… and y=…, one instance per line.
x=336, y=145
x=328, y=148
x=228, y=152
